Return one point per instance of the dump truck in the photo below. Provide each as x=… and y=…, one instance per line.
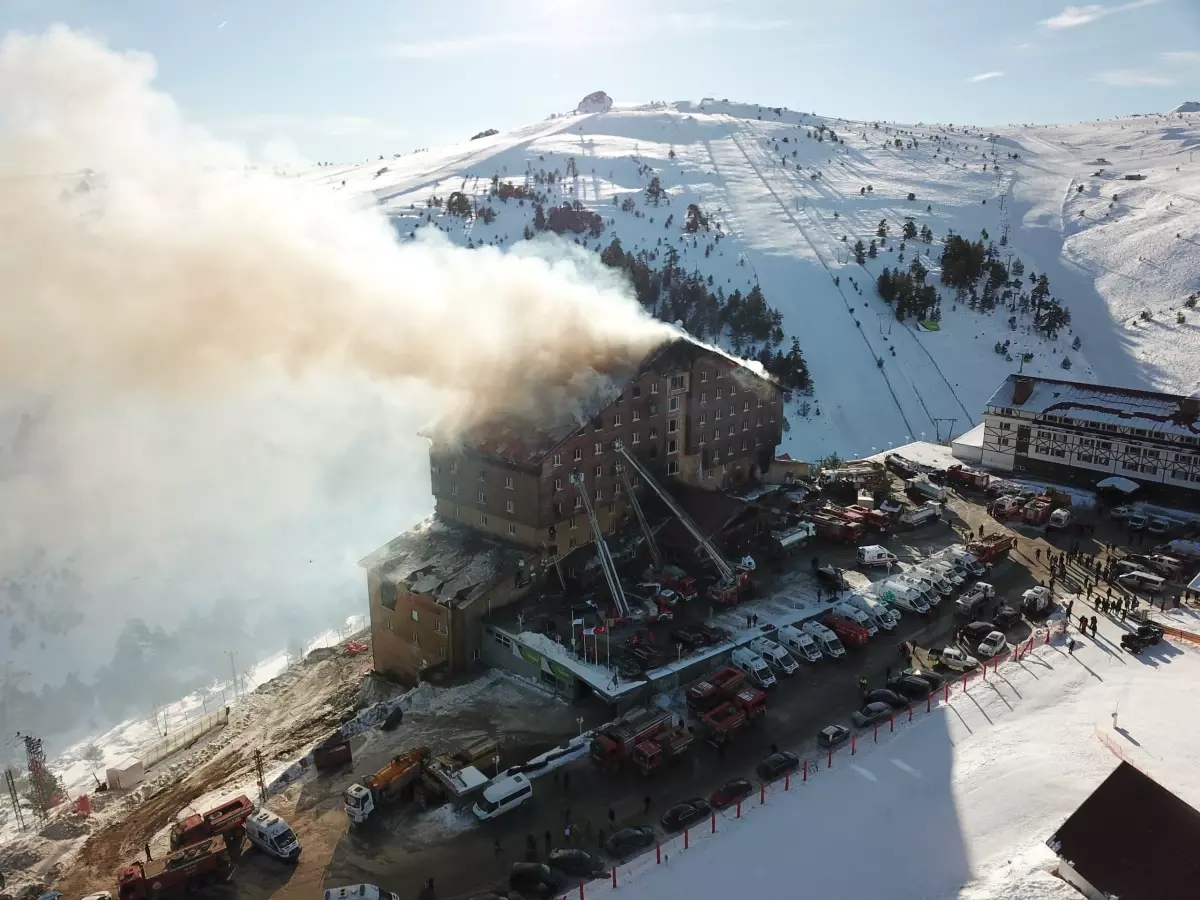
x=391, y=784
x=228, y=819
x=725, y=720
x=186, y=870
x=666, y=746
x=930, y=511
x=714, y=688
x=615, y=744
x=991, y=548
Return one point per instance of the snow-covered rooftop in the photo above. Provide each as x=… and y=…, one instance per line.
x=1096, y=404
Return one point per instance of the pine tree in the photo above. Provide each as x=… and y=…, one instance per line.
x=882, y=230
x=872, y=251
x=910, y=230
x=860, y=256
x=539, y=218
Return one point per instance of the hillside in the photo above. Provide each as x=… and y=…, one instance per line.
x=782, y=199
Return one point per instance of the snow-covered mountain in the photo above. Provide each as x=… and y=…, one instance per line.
x=1191, y=106
x=1108, y=211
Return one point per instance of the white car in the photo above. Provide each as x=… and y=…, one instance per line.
x=991, y=645
x=1123, y=512
x=953, y=658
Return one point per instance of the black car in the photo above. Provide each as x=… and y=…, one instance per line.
x=933, y=679
x=974, y=632
x=1006, y=617
x=714, y=634
x=730, y=793
x=630, y=840
x=832, y=575
x=872, y=712
x=832, y=735
x=577, y=863
x=690, y=638
x=536, y=878
x=910, y=686
x=883, y=695
x=777, y=764
x=681, y=815
x=1134, y=643
x=1150, y=632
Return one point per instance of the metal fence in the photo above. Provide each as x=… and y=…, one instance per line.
x=184, y=737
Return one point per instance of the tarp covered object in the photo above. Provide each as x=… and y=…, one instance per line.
x=126, y=774
x=1124, y=485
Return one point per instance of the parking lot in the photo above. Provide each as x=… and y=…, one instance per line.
x=466, y=858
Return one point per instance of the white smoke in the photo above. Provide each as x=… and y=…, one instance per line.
x=228, y=368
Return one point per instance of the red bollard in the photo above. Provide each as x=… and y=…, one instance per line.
x=739, y=809
x=614, y=879
x=714, y=822
x=787, y=780
x=996, y=667
x=929, y=701
x=985, y=670
x=831, y=757
x=892, y=722
x=964, y=681
x=581, y=890
x=947, y=696
x=762, y=793
x=853, y=741
x=685, y=840
x=658, y=851
x=877, y=732
x=806, y=770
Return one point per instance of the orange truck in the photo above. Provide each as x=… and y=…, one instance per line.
x=714, y=688
x=615, y=744
x=727, y=719
x=992, y=547
x=666, y=746
x=848, y=631
x=190, y=869
x=228, y=819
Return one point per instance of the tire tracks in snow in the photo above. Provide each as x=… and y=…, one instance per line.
x=820, y=258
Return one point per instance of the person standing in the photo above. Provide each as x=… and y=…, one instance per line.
x=646, y=805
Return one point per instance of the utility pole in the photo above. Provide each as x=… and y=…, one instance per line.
x=937, y=424
x=233, y=671
x=262, y=778
x=11, y=783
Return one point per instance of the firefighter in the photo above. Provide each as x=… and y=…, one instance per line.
x=863, y=686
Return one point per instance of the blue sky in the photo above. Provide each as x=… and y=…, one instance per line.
x=358, y=78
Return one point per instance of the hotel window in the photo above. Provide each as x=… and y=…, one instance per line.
x=572, y=523
x=482, y=497
x=673, y=468
x=481, y=475
x=703, y=377
x=746, y=406
x=745, y=446
x=453, y=468
x=617, y=420
x=636, y=392
x=557, y=485
x=599, y=495
x=677, y=382
x=578, y=454
x=636, y=438
x=720, y=373
x=637, y=415
x=454, y=488
x=703, y=418
x=654, y=434
x=672, y=446
x=672, y=426
x=654, y=387
x=509, y=506
x=557, y=509
x=557, y=460
x=599, y=471
x=720, y=394
x=732, y=429
x=673, y=405
x=598, y=448
x=483, y=520
x=508, y=482
x=512, y=530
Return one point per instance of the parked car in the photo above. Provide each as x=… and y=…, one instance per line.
x=537, y=878
x=933, y=679
x=730, y=793
x=630, y=840
x=885, y=695
x=991, y=645
x=689, y=638
x=1137, y=522
x=1123, y=512
x=910, y=687
x=577, y=863
x=872, y=712
x=974, y=632
x=832, y=735
x=1134, y=643
x=681, y=815
x=953, y=658
x=775, y=765
x=1006, y=617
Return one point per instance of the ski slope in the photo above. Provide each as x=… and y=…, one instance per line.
x=752, y=170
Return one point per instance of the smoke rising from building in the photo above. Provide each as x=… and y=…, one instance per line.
x=220, y=370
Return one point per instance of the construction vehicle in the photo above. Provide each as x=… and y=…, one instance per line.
x=991, y=548
x=929, y=511
x=393, y=783
x=228, y=819
x=924, y=489
x=615, y=744
x=186, y=870
x=666, y=746
x=715, y=688
x=732, y=585
x=725, y=720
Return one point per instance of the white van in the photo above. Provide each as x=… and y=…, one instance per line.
x=1144, y=582
x=272, y=835
x=882, y=616
x=854, y=614
x=799, y=643
x=359, y=892
x=922, y=585
x=776, y=656
x=825, y=639
x=502, y=795
x=875, y=555
x=963, y=558
x=754, y=666
x=933, y=580
x=946, y=569
x=904, y=596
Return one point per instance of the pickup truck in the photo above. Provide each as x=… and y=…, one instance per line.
x=970, y=601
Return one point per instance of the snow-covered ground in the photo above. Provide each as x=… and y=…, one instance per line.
x=783, y=229
x=958, y=803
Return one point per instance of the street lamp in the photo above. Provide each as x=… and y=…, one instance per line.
x=579, y=722
x=496, y=763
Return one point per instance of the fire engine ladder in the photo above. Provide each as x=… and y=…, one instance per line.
x=557, y=566
x=723, y=567
x=655, y=555
x=606, y=560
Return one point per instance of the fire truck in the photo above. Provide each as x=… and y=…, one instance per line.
x=228, y=819
x=616, y=743
x=831, y=528
x=666, y=746
x=714, y=688
x=194, y=867
x=991, y=548
x=728, y=718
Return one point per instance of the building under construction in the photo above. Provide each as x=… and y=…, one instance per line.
x=518, y=513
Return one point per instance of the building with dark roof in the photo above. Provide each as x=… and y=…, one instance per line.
x=1083, y=433
x=1132, y=839
x=689, y=411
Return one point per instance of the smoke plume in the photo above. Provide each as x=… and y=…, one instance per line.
x=218, y=371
